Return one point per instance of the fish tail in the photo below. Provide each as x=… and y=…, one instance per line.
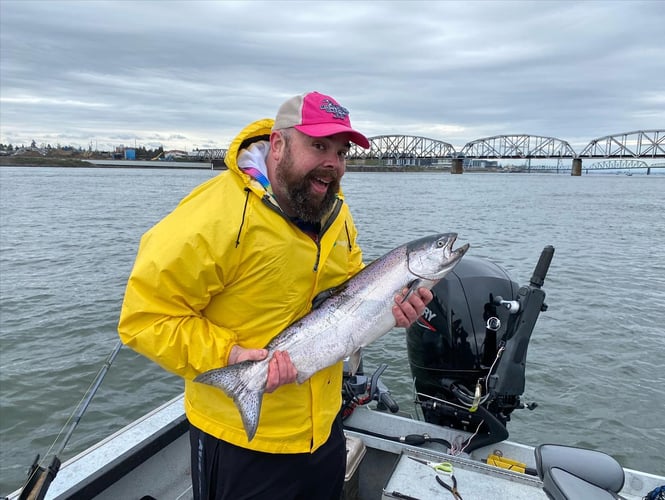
x=233, y=380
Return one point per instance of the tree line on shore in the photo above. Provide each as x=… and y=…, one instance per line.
x=58, y=151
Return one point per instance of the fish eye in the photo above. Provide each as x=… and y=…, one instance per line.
x=439, y=243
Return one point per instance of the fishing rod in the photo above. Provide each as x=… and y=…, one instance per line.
x=39, y=477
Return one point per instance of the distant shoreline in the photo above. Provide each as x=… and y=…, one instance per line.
x=21, y=161
x=31, y=161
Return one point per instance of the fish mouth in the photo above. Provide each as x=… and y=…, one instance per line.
x=429, y=270
x=453, y=256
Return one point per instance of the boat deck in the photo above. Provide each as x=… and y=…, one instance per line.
x=151, y=457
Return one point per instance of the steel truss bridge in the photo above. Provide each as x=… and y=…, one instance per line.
x=638, y=144
x=518, y=146
x=405, y=149
x=615, y=164
x=208, y=154
x=618, y=165
x=400, y=147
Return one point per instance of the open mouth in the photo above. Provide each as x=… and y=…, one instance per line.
x=320, y=184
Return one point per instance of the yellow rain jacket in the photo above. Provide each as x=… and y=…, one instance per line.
x=224, y=268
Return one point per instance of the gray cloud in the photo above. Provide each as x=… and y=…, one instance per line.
x=192, y=74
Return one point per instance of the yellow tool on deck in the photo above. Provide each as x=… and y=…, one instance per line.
x=510, y=464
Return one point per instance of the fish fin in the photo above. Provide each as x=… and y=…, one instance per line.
x=413, y=286
x=233, y=381
x=322, y=297
x=354, y=361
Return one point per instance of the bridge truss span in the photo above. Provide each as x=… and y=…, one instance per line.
x=518, y=146
x=402, y=149
x=618, y=165
x=638, y=144
x=402, y=146
x=210, y=154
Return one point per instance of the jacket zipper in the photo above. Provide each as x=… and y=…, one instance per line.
x=333, y=215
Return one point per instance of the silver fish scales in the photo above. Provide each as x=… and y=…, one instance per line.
x=354, y=315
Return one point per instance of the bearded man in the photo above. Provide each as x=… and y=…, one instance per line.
x=237, y=261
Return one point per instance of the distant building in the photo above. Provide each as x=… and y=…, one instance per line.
x=175, y=154
x=442, y=163
x=480, y=163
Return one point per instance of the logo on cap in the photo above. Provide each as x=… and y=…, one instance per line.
x=334, y=109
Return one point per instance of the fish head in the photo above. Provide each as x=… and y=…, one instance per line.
x=432, y=257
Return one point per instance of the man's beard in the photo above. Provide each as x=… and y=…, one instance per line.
x=297, y=191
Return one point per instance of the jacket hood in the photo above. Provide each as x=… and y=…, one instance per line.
x=256, y=131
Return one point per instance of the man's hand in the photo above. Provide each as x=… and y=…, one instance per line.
x=407, y=311
x=280, y=368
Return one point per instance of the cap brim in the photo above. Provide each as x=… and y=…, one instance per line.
x=326, y=129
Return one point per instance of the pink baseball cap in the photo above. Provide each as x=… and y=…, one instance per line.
x=317, y=115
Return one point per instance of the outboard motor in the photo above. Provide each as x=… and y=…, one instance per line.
x=467, y=352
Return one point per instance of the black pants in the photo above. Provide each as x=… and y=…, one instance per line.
x=222, y=471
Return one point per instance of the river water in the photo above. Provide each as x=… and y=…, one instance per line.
x=595, y=364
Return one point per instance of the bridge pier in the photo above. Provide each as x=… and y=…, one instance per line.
x=457, y=166
x=576, y=169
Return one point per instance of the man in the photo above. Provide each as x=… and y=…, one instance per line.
x=236, y=262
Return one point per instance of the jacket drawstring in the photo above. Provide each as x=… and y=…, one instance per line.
x=348, y=236
x=242, y=222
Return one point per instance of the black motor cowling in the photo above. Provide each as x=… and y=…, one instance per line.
x=467, y=352
x=446, y=344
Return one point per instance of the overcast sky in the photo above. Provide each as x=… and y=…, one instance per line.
x=191, y=74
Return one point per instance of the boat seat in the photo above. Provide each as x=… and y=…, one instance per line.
x=569, y=473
